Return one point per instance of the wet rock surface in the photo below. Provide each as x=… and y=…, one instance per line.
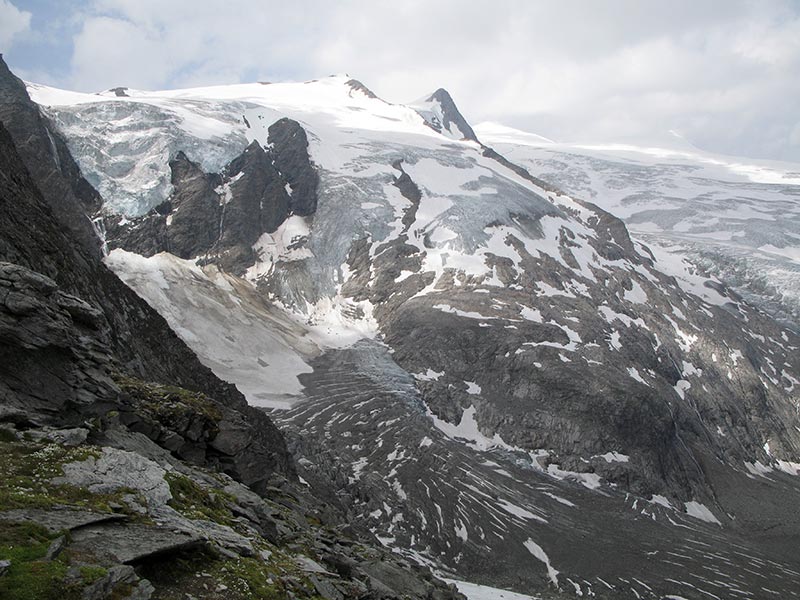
x=193, y=222
x=290, y=151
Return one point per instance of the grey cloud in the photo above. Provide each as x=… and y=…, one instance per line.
x=723, y=73
x=12, y=23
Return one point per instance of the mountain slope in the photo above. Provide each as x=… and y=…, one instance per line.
x=537, y=383
x=116, y=486
x=736, y=219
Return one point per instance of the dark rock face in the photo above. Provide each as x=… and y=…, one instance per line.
x=53, y=357
x=186, y=225
x=49, y=161
x=145, y=235
x=220, y=217
x=290, y=149
x=406, y=185
x=194, y=221
x=451, y=114
x=120, y=92
x=258, y=204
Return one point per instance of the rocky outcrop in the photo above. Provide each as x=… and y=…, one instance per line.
x=257, y=203
x=445, y=114
x=219, y=218
x=112, y=522
x=54, y=358
x=193, y=222
x=290, y=150
x=49, y=161
x=357, y=86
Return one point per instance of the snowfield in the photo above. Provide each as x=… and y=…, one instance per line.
x=706, y=216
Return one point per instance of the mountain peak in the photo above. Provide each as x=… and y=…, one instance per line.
x=441, y=95
x=357, y=86
x=441, y=113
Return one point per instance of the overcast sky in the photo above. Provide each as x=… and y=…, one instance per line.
x=725, y=74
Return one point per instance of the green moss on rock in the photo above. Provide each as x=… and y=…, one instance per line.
x=31, y=576
x=195, y=502
x=166, y=402
x=28, y=468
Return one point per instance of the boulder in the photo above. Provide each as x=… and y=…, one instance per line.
x=131, y=542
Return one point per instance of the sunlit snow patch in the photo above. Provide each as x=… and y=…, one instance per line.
x=473, y=591
x=467, y=431
x=540, y=554
x=700, y=511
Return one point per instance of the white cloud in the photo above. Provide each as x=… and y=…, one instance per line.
x=722, y=72
x=12, y=22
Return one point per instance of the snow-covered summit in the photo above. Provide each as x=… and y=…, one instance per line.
x=441, y=113
x=123, y=138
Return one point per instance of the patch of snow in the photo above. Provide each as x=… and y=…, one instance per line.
x=614, y=457
x=531, y=314
x=286, y=244
x=233, y=331
x=473, y=388
x=518, y=511
x=467, y=430
x=429, y=375
x=634, y=373
x=588, y=480
x=700, y=511
x=461, y=531
x=792, y=468
x=474, y=591
x=461, y=313
x=758, y=469
x=636, y=294
x=661, y=500
x=613, y=341
x=540, y=554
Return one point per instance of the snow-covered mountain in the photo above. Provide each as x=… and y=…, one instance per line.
x=737, y=220
x=486, y=372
